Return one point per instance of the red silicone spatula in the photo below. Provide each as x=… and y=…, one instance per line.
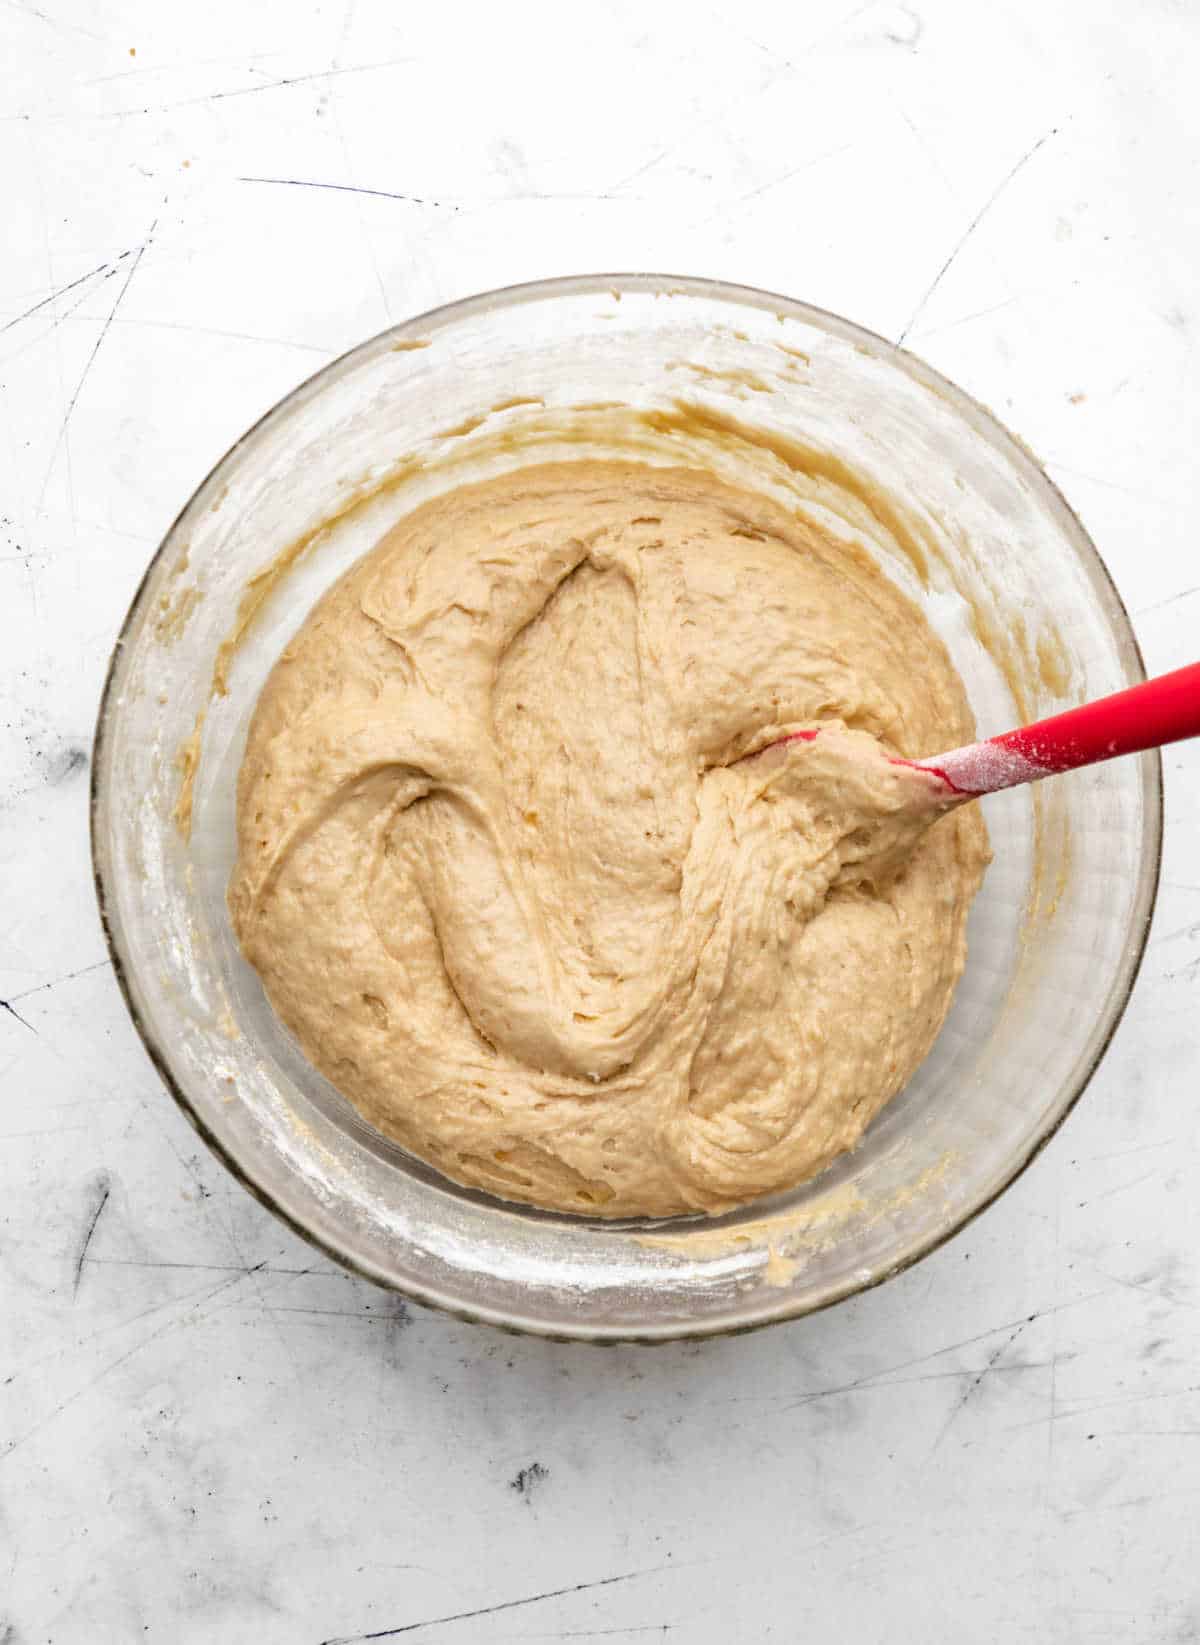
x=1150, y=715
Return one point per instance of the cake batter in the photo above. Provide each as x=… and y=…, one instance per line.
x=514, y=873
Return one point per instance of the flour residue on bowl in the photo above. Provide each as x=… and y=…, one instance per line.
x=779, y=1247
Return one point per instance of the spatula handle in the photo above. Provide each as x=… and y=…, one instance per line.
x=1150, y=715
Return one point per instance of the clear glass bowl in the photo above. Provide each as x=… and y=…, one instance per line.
x=952, y=505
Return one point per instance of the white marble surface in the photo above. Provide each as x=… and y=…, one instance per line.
x=208, y=1432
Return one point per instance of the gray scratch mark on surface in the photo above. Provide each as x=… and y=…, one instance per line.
x=60, y=317
x=729, y=26
x=38, y=175
x=966, y=319
x=1115, y=1507
x=659, y=1628
x=335, y=111
x=778, y=182
x=774, y=183
x=688, y=134
x=103, y=1188
x=215, y=1267
x=1071, y=1412
x=91, y=359
x=927, y=149
x=1109, y=485
x=298, y=80
x=1192, y=929
x=27, y=10
x=641, y=171
x=40, y=1130
x=1158, y=1292
x=491, y=1610
x=236, y=336
x=347, y=24
x=210, y=96
x=346, y=188
x=1142, y=1147
x=1160, y=605
x=142, y=70
x=1121, y=1188
x=873, y=1386
x=899, y=26
x=1052, y=1426
x=265, y=1307
x=787, y=67
x=55, y=981
x=55, y=295
x=340, y=1313
x=7, y=1005
x=1152, y=1433
x=970, y=230
x=874, y=1377
x=114, y=1365
x=197, y=1296
x=973, y=1386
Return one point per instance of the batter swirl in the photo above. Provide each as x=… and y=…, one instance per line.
x=508, y=876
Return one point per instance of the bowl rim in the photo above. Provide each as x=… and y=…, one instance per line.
x=1013, y=448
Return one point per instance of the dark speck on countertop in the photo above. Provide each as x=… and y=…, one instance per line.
x=528, y=1479
x=62, y=766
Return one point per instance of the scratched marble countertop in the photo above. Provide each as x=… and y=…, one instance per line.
x=207, y=1431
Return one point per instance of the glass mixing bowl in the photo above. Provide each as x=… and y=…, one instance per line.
x=836, y=422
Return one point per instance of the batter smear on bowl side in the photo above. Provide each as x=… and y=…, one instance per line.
x=509, y=875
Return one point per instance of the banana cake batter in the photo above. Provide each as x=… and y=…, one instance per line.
x=516, y=875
